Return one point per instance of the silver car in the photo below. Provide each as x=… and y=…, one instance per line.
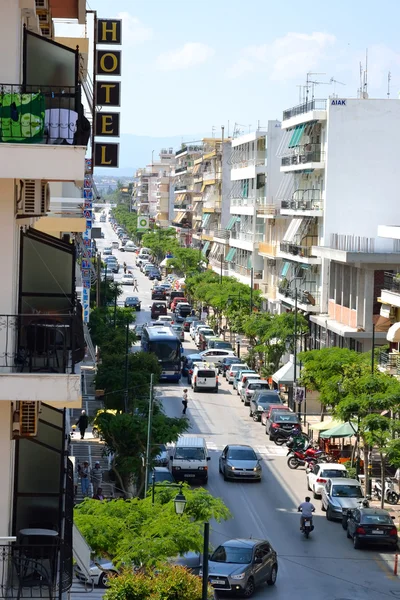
x=340, y=494
x=239, y=462
x=240, y=566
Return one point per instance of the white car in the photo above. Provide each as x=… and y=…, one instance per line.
x=244, y=379
x=204, y=329
x=165, y=319
x=317, y=478
x=205, y=377
x=230, y=374
x=215, y=356
x=193, y=328
x=127, y=279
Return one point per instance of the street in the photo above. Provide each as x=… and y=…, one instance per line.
x=325, y=566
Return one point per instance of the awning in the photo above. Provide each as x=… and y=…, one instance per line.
x=296, y=137
x=285, y=268
x=232, y=222
x=205, y=183
x=285, y=375
x=293, y=229
x=179, y=217
x=205, y=220
x=393, y=335
x=325, y=425
x=205, y=248
x=341, y=431
x=196, y=169
x=179, y=198
x=231, y=255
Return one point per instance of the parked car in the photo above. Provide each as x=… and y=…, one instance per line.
x=130, y=247
x=244, y=380
x=160, y=475
x=199, y=331
x=153, y=274
x=133, y=302
x=234, y=368
x=239, y=375
x=158, y=293
x=204, y=377
x=188, y=321
x=107, y=250
x=115, y=244
x=226, y=364
x=271, y=402
x=280, y=420
x=162, y=458
x=138, y=331
x=320, y=473
x=127, y=279
x=179, y=331
x=215, y=356
x=340, y=493
x=174, y=301
x=186, y=362
x=219, y=344
x=371, y=526
x=239, y=461
x=165, y=319
x=157, y=309
x=174, y=295
x=257, y=406
x=241, y=566
x=106, y=274
x=193, y=328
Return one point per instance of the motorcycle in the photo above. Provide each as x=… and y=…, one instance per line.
x=308, y=527
x=309, y=457
x=283, y=435
x=391, y=497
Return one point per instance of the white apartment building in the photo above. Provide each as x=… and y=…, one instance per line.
x=41, y=331
x=340, y=165
x=164, y=191
x=185, y=192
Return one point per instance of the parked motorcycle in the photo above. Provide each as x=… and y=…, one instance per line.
x=283, y=435
x=308, y=457
x=391, y=496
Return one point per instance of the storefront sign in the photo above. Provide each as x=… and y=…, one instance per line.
x=106, y=155
x=108, y=93
x=109, y=32
x=107, y=124
x=108, y=62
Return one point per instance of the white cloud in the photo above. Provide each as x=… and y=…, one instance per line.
x=189, y=55
x=133, y=30
x=287, y=57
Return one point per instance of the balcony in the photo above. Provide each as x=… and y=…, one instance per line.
x=180, y=188
x=268, y=249
x=222, y=235
x=188, y=149
x=245, y=271
x=38, y=357
x=64, y=215
x=306, y=159
x=211, y=175
x=389, y=362
x=390, y=293
x=312, y=110
x=40, y=136
x=307, y=300
x=303, y=206
x=298, y=252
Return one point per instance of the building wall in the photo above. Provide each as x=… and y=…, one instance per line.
x=274, y=175
x=225, y=184
x=362, y=168
x=6, y=468
x=10, y=42
x=9, y=248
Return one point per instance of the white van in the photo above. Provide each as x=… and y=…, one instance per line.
x=205, y=377
x=189, y=459
x=144, y=252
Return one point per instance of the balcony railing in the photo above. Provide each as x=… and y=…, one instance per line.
x=297, y=250
x=310, y=297
x=391, y=282
x=181, y=188
x=268, y=248
x=40, y=343
x=247, y=237
x=41, y=115
x=256, y=159
x=390, y=361
x=246, y=271
x=304, y=108
x=222, y=234
x=316, y=156
x=180, y=170
x=210, y=175
x=189, y=148
x=302, y=204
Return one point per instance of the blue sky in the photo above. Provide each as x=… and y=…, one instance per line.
x=190, y=66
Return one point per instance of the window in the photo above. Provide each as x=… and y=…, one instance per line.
x=353, y=297
x=346, y=286
x=264, y=550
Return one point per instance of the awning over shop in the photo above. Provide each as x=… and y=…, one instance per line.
x=231, y=255
x=205, y=248
x=297, y=134
x=341, y=431
x=325, y=425
x=393, y=335
x=293, y=229
x=232, y=222
x=205, y=220
x=285, y=375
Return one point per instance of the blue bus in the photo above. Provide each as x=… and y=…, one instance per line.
x=163, y=342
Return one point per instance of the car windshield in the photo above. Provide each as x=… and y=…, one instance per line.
x=232, y=555
x=187, y=453
x=226, y=345
x=346, y=491
x=241, y=454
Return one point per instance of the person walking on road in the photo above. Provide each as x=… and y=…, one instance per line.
x=185, y=401
x=125, y=268
x=135, y=286
x=82, y=423
x=84, y=475
x=96, y=476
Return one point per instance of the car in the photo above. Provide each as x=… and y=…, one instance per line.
x=239, y=375
x=371, y=526
x=280, y=420
x=158, y=294
x=199, y=330
x=320, y=473
x=175, y=299
x=257, y=406
x=160, y=475
x=187, y=322
x=226, y=364
x=133, y=302
x=340, y=493
x=165, y=319
x=194, y=326
x=130, y=247
x=115, y=244
x=244, y=379
x=149, y=268
x=137, y=329
x=239, y=461
x=270, y=400
x=127, y=279
x=179, y=331
x=215, y=356
x=106, y=274
x=107, y=250
x=220, y=344
x=250, y=387
x=240, y=566
x=157, y=309
x=234, y=368
x=186, y=362
x=153, y=274
x=191, y=365
x=204, y=377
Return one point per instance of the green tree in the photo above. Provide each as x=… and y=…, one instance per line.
x=186, y=261
x=135, y=531
x=161, y=241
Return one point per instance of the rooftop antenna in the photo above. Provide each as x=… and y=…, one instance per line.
x=335, y=81
x=213, y=131
x=365, y=87
x=308, y=81
x=360, y=88
x=388, y=88
x=301, y=89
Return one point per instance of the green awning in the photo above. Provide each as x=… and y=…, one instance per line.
x=341, y=431
x=232, y=221
x=249, y=263
x=285, y=269
x=205, y=220
x=231, y=255
x=296, y=136
x=205, y=248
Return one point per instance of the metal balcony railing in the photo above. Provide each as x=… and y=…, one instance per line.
x=180, y=169
x=302, y=205
x=247, y=237
x=40, y=343
x=390, y=361
x=304, y=108
x=304, y=158
x=189, y=148
x=181, y=188
x=41, y=115
x=297, y=250
x=391, y=282
x=310, y=297
x=222, y=234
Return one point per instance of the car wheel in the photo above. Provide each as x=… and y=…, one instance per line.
x=104, y=579
x=328, y=514
x=250, y=413
x=271, y=437
x=256, y=418
x=315, y=495
x=308, y=485
x=250, y=588
x=323, y=507
x=195, y=388
x=348, y=534
x=216, y=390
x=273, y=575
x=356, y=543
x=219, y=467
x=225, y=477
x=344, y=522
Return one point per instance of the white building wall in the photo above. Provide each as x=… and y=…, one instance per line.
x=274, y=175
x=6, y=468
x=362, y=169
x=9, y=248
x=226, y=184
x=10, y=42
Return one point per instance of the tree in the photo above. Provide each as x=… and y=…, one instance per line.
x=161, y=242
x=186, y=261
x=125, y=438
x=135, y=531
x=168, y=583
x=377, y=433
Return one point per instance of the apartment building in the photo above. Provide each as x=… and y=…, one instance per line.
x=185, y=192
x=151, y=191
x=340, y=181
x=41, y=332
x=164, y=191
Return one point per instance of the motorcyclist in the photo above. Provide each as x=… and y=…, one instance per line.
x=306, y=509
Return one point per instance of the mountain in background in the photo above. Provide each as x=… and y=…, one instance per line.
x=135, y=151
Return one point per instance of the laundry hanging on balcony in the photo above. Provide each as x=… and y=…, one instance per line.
x=22, y=117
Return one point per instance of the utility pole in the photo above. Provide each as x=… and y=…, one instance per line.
x=295, y=345
x=105, y=286
x=222, y=260
x=251, y=289
x=126, y=366
x=98, y=283
x=204, y=591
x=373, y=349
x=149, y=421
x=115, y=307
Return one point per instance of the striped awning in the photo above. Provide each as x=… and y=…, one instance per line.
x=297, y=134
x=231, y=255
x=293, y=229
x=205, y=248
x=179, y=217
x=232, y=222
x=179, y=198
x=206, y=183
x=206, y=219
x=196, y=169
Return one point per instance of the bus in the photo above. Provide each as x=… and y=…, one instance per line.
x=163, y=342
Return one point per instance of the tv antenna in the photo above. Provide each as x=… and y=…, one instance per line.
x=334, y=82
x=389, y=77
x=310, y=84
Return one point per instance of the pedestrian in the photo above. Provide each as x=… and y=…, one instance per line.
x=96, y=477
x=99, y=494
x=84, y=475
x=76, y=477
x=185, y=401
x=82, y=423
x=135, y=286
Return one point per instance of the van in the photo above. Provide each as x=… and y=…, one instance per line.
x=115, y=244
x=176, y=294
x=189, y=459
x=205, y=377
x=157, y=309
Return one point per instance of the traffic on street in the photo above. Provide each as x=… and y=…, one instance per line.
x=322, y=565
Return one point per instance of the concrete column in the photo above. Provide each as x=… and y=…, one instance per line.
x=10, y=42
x=324, y=284
x=9, y=248
x=368, y=299
x=6, y=468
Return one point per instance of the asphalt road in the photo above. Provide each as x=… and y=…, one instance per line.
x=324, y=567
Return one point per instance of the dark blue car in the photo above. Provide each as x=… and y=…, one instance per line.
x=188, y=362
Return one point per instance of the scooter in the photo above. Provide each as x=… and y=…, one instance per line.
x=391, y=497
x=308, y=527
x=309, y=457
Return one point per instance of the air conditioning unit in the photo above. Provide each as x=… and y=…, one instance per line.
x=35, y=198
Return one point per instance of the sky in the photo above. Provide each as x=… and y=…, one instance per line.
x=194, y=66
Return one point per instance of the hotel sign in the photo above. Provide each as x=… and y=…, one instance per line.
x=108, y=91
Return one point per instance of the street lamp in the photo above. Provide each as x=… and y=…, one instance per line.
x=180, y=503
